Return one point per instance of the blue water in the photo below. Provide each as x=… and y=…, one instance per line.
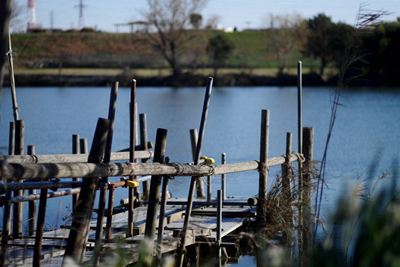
x=367, y=127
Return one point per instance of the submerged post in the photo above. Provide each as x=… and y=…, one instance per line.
x=83, y=212
x=263, y=170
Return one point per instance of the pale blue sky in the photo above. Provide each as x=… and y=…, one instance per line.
x=234, y=13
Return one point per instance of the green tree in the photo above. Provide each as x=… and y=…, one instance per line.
x=219, y=49
x=382, y=49
x=326, y=40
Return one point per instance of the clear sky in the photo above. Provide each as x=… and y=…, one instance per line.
x=103, y=14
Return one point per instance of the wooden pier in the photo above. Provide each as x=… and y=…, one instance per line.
x=173, y=224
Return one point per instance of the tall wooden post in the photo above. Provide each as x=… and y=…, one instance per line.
x=308, y=140
x=223, y=177
x=11, y=141
x=143, y=143
x=32, y=204
x=18, y=207
x=75, y=150
x=155, y=185
x=83, y=212
x=132, y=144
x=107, y=158
x=263, y=170
x=196, y=161
x=40, y=227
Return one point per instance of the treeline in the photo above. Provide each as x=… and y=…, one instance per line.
x=318, y=42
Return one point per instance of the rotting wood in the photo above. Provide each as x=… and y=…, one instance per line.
x=86, y=170
x=71, y=158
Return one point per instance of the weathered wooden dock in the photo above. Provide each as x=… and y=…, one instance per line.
x=173, y=224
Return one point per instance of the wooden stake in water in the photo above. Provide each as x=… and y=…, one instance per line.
x=83, y=212
x=75, y=150
x=18, y=207
x=263, y=169
x=196, y=161
x=12, y=82
x=107, y=157
x=299, y=101
x=32, y=204
x=132, y=144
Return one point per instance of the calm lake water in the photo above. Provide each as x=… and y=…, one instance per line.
x=367, y=128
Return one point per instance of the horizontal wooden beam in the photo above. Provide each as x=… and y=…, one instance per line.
x=41, y=171
x=66, y=158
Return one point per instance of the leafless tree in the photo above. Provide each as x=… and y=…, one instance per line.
x=286, y=31
x=212, y=21
x=17, y=22
x=168, y=20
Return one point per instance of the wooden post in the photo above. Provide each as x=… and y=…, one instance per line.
x=40, y=227
x=11, y=142
x=287, y=170
x=75, y=150
x=143, y=143
x=110, y=211
x=83, y=145
x=223, y=177
x=12, y=81
x=155, y=184
x=299, y=126
x=219, y=221
x=132, y=143
x=263, y=170
x=107, y=157
x=32, y=204
x=209, y=188
x=308, y=139
x=163, y=206
x=6, y=228
x=18, y=207
x=199, y=181
x=196, y=161
x=83, y=212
